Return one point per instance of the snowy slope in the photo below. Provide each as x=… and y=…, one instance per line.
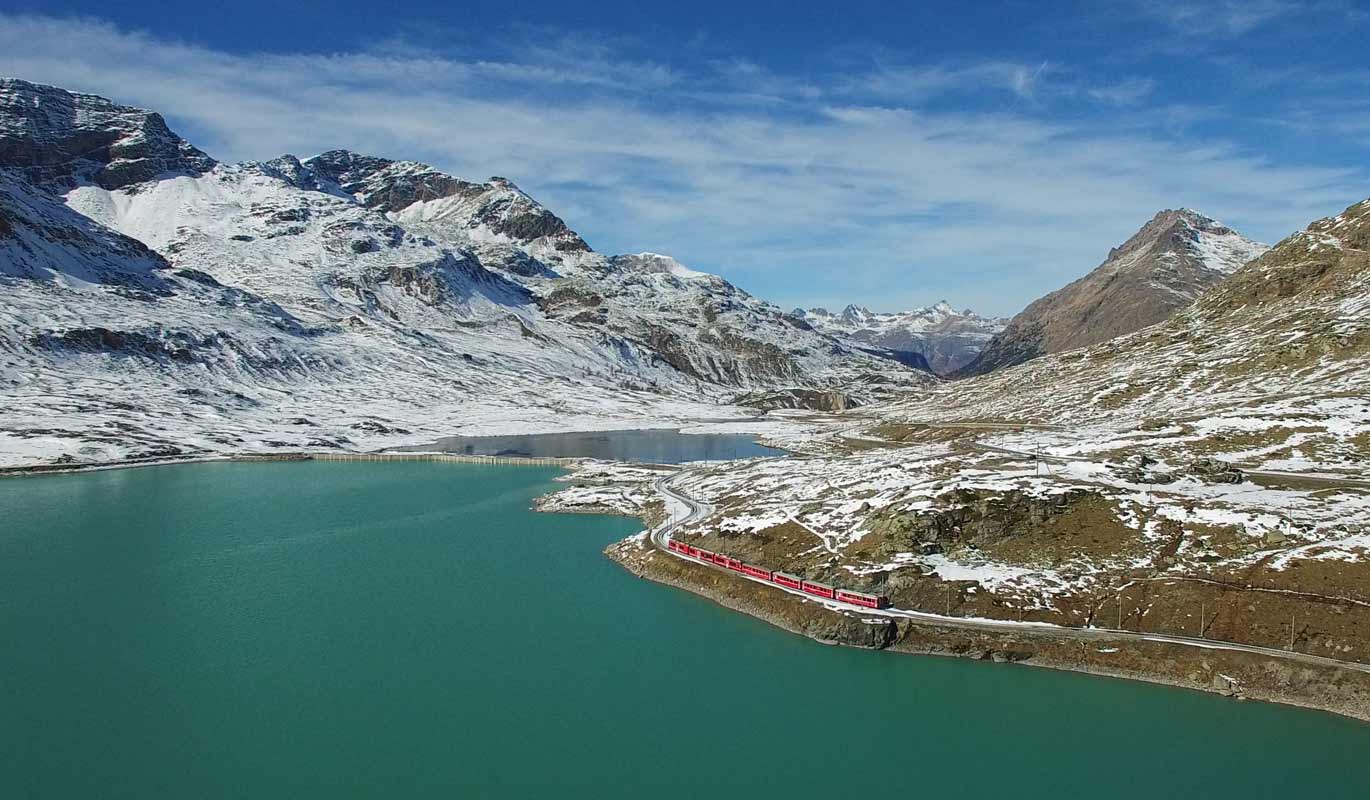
x=337, y=302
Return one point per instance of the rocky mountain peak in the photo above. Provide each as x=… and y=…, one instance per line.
x=1184, y=233
x=855, y=315
x=416, y=192
x=656, y=263
x=1171, y=260
x=63, y=139
x=384, y=184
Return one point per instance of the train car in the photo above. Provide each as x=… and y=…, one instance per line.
x=863, y=599
x=756, y=572
x=780, y=578
x=819, y=589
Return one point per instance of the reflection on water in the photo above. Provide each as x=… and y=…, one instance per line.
x=662, y=446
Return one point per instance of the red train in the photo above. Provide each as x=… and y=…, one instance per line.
x=780, y=578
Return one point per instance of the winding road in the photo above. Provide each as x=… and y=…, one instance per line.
x=697, y=511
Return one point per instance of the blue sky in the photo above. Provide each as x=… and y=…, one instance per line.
x=885, y=154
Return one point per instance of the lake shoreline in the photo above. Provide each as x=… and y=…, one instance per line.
x=1234, y=674
x=303, y=455
x=700, y=428
x=1229, y=673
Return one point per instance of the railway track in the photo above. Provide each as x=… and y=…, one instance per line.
x=696, y=511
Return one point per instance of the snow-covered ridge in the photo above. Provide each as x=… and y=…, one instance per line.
x=335, y=301
x=1218, y=247
x=655, y=262
x=947, y=338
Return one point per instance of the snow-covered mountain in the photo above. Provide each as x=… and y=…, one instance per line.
x=1168, y=263
x=948, y=339
x=156, y=300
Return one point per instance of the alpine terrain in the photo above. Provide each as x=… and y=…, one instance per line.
x=1186, y=503
x=945, y=338
x=159, y=303
x=1162, y=268
x=1156, y=472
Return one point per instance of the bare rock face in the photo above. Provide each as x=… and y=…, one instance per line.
x=975, y=517
x=62, y=139
x=497, y=205
x=810, y=399
x=1163, y=268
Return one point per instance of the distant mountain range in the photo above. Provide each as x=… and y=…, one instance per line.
x=1164, y=266
x=344, y=299
x=169, y=303
x=946, y=338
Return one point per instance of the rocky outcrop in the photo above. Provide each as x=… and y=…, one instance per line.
x=1212, y=470
x=1164, y=267
x=496, y=206
x=811, y=399
x=61, y=139
x=973, y=517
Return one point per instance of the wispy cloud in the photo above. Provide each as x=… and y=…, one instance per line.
x=1220, y=17
x=856, y=187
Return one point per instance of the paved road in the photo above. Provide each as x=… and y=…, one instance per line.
x=698, y=511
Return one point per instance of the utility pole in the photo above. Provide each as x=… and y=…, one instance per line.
x=949, y=600
x=1120, y=610
x=1202, y=610
x=1291, y=632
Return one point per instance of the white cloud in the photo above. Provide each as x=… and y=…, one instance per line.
x=827, y=193
x=1220, y=17
x=1126, y=93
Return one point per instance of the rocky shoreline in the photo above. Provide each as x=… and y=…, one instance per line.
x=1230, y=673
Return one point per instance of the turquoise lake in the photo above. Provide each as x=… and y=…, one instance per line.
x=312, y=630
